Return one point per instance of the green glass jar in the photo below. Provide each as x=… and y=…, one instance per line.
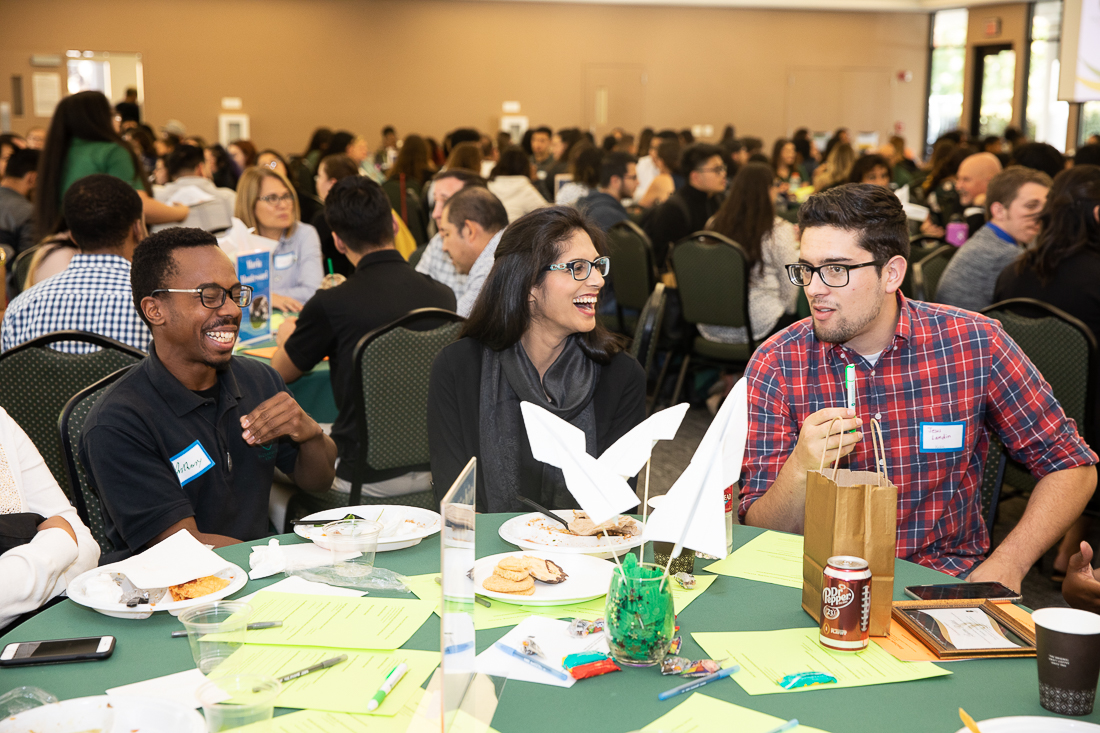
x=639, y=613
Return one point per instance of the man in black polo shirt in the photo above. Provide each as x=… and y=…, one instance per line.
x=190, y=437
x=383, y=288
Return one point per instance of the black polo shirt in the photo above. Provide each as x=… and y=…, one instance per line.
x=159, y=453
x=383, y=288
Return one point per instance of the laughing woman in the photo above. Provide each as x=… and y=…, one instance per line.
x=532, y=337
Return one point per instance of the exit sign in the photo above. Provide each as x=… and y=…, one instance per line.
x=992, y=27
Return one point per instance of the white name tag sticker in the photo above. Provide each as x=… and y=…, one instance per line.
x=285, y=261
x=191, y=463
x=942, y=437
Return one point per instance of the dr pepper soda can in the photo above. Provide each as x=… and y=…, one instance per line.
x=845, y=604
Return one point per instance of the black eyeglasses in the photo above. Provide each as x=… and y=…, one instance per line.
x=833, y=275
x=716, y=170
x=213, y=296
x=274, y=199
x=581, y=269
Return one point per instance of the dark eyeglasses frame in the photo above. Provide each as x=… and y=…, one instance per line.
x=243, y=300
x=604, y=268
x=846, y=268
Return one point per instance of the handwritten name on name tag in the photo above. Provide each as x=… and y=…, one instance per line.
x=192, y=462
x=942, y=437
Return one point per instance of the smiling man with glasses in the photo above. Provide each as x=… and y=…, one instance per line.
x=939, y=380
x=189, y=438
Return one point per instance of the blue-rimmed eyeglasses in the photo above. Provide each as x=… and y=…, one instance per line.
x=581, y=269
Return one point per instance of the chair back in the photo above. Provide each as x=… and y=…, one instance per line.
x=83, y=492
x=21, y=268
x=414, y=258
x=632, y=270
x=37, y=381
x=928, y=270
x=920, y=246
x=394, y=364
x=648, y=332
x=712, y=276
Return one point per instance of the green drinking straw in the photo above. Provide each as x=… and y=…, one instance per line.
x=330, y=269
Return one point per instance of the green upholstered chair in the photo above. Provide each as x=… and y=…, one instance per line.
x=71, y=424
x=405, y=200
x=648, y=333
x=36, y=382
x=633, y=273
x=417, y=253
x=712, y=277
x=920, y=246
x=928, y=270
x=394, y=363
x=1063, y=349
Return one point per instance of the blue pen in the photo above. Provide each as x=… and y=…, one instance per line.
x=792, y=723
x=695, y=684
x=557, y=673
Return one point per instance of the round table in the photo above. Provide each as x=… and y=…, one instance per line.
x=612, y=703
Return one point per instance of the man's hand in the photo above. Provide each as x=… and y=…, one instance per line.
x=1081, y=588
x=931, y=230
x=58, y=523
x=285, y=303
x=996, y=571
x=277, y=417
x=285, y=330
x=816, y=439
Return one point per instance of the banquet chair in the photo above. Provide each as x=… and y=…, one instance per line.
x=633, y=272
x=920, y=246
x=1064, y=350
x=83, y=492
x=712, y=278
x=37, y=381
x=405, y=200
x=417, y=253
x=394, y=364
x=928, y=270
x=648, y=333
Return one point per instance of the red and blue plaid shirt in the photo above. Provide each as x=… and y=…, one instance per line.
x=943, y=365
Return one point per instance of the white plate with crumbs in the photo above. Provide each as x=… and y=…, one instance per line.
x=106, y=714
x=588, y=578
x=402, y=526
x=79, y=592
x=1034, y=724
x=537, y=532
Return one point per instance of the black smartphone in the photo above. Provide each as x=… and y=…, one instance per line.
x=962, y=592
x=24, y=653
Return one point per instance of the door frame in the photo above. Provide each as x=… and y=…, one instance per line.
x=977, y=78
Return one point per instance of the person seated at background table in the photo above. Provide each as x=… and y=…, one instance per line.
x=273, y=160
x=785, y=164
x=331, y=170
x=1041, y=157
x=837, y=166
x=916, y=364
x=44, y=544
x=382, y=289
x=666, y=179
x=687, y=210
x=16, y=210
x=510, y=182
x=617, y=181
x=532, y=336
x=871, y=168
x=434, y=262
x=190, y=437
x=1062, y=270
x=1087, y=155
x=267, y=201
x=92, y=294
x=1014, y=198
x=584, y=167
x=470, y=230
x=186, y=166
x=972, y=182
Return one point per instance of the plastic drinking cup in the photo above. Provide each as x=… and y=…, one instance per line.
x=351, y=536
x=215, y=630
x=239, y=699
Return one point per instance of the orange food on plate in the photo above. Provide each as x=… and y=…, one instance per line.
x=197, y=588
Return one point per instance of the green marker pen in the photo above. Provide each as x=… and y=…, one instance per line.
x=850, y=388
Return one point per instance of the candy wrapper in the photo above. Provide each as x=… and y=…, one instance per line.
x=580, y=627
x=806, y=679
x=687, y=668
x=674, y=647
x=686, y=580
x=589, y=664
x=531, y=649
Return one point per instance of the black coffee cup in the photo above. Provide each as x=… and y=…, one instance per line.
x=1067, y=645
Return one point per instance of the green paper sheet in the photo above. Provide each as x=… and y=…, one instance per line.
x=773, y=557
x=510, y=614
x=343, y=688
x=340, y=622
x=702, y=713
x=768, y=656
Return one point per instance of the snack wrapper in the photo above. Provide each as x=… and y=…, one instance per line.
x=686, y=580
x=580, y=627
x=589, y=664
x=805, y=679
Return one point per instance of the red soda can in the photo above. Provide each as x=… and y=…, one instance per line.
x=845, y=604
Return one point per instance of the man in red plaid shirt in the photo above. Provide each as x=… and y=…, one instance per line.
x=938, y=379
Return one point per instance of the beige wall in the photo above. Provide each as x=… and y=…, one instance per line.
x=432, y=65
x=1014, y=19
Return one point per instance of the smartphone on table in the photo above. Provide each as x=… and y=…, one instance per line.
x=57, y=651
x=962, y=592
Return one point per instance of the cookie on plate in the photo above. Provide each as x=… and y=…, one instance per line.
x=498, y=584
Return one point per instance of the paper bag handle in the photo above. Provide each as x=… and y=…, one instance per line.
x=879, y=447
x=825, y=451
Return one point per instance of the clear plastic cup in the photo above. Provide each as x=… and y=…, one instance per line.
x=239, y=699
x=215, y=630
x=353, y=544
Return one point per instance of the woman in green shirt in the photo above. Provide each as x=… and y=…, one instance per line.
x=83, y=140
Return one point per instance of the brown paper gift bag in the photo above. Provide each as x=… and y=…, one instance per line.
x=852, y=513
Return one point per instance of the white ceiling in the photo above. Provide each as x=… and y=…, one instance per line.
x=848, y=5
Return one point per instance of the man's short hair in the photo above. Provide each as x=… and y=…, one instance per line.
x=544, y=130
x=1005, y=186
x=22, y=162
x=154, y=263
x=1086, y=155
x=695, y=155
x=873, y=212
x=468, y=178
x=476, y=204
x=752, y=144
x=184, y=159
x=1040, y=156
x=359, y=212
x=388, y=130
x=614, y=164
x=100, y=209
x=465, y=135
x=339, y=166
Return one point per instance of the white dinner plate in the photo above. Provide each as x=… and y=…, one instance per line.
x=104, y=713
x=235, y=575
x=536, y=532
x=1034, y=724
x=416, y=525
x=589, y=577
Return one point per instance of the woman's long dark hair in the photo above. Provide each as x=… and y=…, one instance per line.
x=530, y=244
x=412, y=160
x=85, y=115
x=1068, y=220
x=748, y=213
x=777, y=154
x=318, y=141
x=513, y=162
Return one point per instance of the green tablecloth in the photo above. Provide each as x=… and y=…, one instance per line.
x=622, y=701
x=313, y=390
